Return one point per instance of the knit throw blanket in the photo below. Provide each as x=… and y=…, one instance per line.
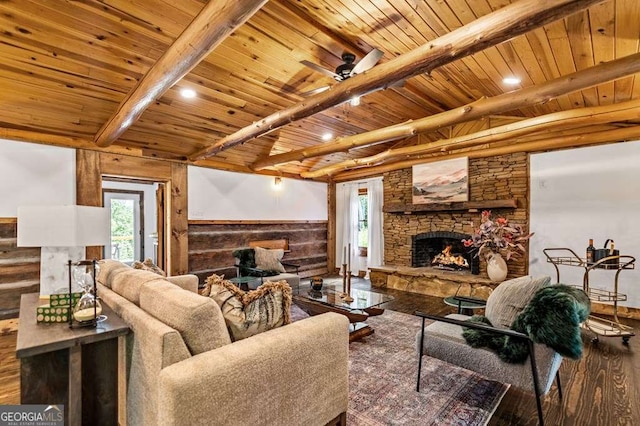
x=552, y=317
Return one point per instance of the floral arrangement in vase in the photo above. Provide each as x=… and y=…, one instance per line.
x=497, y=236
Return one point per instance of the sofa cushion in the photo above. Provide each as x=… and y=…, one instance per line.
x=187, y=282
x=148, y=265
x=253, y=312
x=108, y=268
x=124, y=280
x=198, y=319
x=510, y=298
x=269, y=260
x=129, y=283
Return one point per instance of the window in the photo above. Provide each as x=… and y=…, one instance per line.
x=127, y=225
x=363, y=218
x=122, y=230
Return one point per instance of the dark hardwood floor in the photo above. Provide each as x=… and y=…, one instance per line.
x=603, y=388
x=9, y=370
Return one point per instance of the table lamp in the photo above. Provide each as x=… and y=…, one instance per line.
x=62, y=232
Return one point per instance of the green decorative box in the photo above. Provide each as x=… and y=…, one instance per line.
x=58, y=310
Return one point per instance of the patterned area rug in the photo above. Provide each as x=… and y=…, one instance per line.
x=382, y=382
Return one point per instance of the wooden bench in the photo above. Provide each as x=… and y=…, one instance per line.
x=271, y=244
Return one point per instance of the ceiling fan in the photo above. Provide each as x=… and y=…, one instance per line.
x=345, y=70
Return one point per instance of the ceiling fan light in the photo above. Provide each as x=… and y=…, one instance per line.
x=344, y=71
x=355, y=101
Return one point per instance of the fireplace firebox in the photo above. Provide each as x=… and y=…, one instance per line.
x=443, y=249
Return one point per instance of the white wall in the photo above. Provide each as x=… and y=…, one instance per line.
x=222, y=195
x=587, y=193
x=150, y=211
x=33, y=174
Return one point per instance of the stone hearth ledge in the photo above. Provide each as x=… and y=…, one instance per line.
x=431, y=281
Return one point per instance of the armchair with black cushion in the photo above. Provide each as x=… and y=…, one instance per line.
x=246, y=266
x=529, y=326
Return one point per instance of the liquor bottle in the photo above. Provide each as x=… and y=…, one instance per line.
x=591, y=251
x=616, y=253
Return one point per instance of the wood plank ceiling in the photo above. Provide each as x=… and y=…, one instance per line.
x=66, y=66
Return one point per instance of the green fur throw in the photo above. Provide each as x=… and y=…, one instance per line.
x=552, y=317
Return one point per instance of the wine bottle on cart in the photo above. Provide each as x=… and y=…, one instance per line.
x=591, y=250
x=616, y=260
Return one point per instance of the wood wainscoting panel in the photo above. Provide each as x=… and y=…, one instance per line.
x=19, y=269
x=212, y=242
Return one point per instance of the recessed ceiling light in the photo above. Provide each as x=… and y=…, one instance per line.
x=188, y=93
x=327, y=136
x=355, y=101
x=511, y=80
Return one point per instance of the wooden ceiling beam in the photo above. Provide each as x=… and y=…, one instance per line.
x=483, y=107
x=213, y=24
x=573, y=118
x=489, y=30
x=501, y=148
x=63, y=141
x=87, y=144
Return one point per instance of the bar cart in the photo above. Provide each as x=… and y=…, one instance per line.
x=599, y=326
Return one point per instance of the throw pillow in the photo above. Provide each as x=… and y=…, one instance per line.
x=253, y=312
x=198, y=319
x=148, y=265
x=510, y=298
x=211, y=281
x=269, y=259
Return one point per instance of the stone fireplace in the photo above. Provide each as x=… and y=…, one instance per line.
x=491, y=179
x=427, y=249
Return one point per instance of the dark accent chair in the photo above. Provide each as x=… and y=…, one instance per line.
x=487, y=363
x=246, y=267
x=443, y=339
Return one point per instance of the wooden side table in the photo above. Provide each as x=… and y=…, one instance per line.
x=465, y=305
x=82, y=368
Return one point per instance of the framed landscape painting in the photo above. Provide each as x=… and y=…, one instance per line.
x=442, y=182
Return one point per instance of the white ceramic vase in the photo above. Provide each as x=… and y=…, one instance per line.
x=496, y=267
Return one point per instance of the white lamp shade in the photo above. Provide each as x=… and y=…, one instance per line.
x=63, y=226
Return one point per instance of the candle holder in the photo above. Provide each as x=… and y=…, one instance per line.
x=344, y=279
x=347, y=294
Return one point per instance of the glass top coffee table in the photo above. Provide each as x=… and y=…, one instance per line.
x=365, y=304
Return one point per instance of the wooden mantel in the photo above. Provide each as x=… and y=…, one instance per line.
x=440, y=207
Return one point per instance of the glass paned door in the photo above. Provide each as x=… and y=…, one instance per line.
x=127, y=229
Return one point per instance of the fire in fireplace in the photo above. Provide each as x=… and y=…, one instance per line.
x=443, y=249
x=446, y=259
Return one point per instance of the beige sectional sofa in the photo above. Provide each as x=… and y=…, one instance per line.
x=183, y=368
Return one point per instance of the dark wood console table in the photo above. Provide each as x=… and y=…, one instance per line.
x=82, y=368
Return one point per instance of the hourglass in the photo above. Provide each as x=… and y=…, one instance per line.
x=88, y=310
